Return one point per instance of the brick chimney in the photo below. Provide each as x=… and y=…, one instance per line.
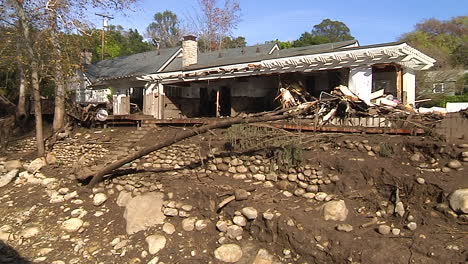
x=189, y=51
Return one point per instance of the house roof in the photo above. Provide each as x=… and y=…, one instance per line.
x=445, y=75
x=313, y=58
x=128, y=66
x=253, y=54
x=225, y=57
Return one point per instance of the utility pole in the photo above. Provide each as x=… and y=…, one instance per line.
x=105, y=19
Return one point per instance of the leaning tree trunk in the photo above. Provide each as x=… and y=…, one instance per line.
x=17, y=4
x=59, y=111
x=97, y=176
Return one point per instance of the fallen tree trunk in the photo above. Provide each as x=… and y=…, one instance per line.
x=97, y=176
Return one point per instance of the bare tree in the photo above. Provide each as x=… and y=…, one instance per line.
x=215, y=22
x=31, y=55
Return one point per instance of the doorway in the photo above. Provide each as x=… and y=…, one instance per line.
x=225, y=101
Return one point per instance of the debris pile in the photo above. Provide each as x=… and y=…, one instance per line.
x=342, y=105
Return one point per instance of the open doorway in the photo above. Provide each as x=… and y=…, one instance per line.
x=225, y=101
x=207, y=103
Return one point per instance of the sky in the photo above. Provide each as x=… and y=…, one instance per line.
x=370, y=22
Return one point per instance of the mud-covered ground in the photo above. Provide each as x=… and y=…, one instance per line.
x=385, y=198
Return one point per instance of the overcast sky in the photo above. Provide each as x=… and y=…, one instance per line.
x=371, y=22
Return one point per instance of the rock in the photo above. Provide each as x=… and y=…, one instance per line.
x=446, y=169
x=459, y=201
x=234, y=231
x=268, y=215
x=241, y=194
x=7, y=178
x=454, y=164
x=420, y=180
x=320, y=196
x=36, y=164
x=242, y=169
x=63, y=191
x=155, y=243
x=229, y=253
x=309, y=195
x=188, y=224
x=239, y=220
x=144, y=211
x=99, y=199
x=415, y=157
x=71, y=195
x=171, y=212
x=51, y=158
x=259, y=177
x=201, y=224
x=263, y=257
x=412, y=226
x=168, y=228
x=30, y=232
x=222, y=226
x=384, y=229
x=154, y=260
x=344, y=227
x=222, y=167
x=13, y=165
x=56, y=198
x=400, y=209
x=335, y=211
x=72, y=225
x=186, y=207
x=123, y=198
x=396, y=231
x=249, y=212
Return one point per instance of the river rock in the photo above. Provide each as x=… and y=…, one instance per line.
x=249, y=212
x=99, y=199
x=188, y=224
x=72, y=225
x=344, y=227
x=454, y=164
x=384, y=229
x=459, y=201
x=168, y=228
x=229, y=253
x=155, y=243
x=335, y=211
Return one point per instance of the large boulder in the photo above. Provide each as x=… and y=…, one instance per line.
x=459, y=201
x=12, y=165
x=335, y=211
x=144, y=211
x=7, y=178
x=36, y=164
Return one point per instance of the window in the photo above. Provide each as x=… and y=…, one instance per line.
x=173, y=91
x=438, y=88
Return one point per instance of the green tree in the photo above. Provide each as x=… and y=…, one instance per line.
x=165, y=29
x=238, y=42
x=326, y=32
x=119, y=42
x=443, y=40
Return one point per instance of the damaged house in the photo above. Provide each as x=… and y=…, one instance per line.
x=183, y=83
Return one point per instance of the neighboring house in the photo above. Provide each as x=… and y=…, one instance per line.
x=444, y=82
x=181, y=82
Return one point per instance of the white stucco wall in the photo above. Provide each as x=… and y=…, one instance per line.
x=360, y=82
